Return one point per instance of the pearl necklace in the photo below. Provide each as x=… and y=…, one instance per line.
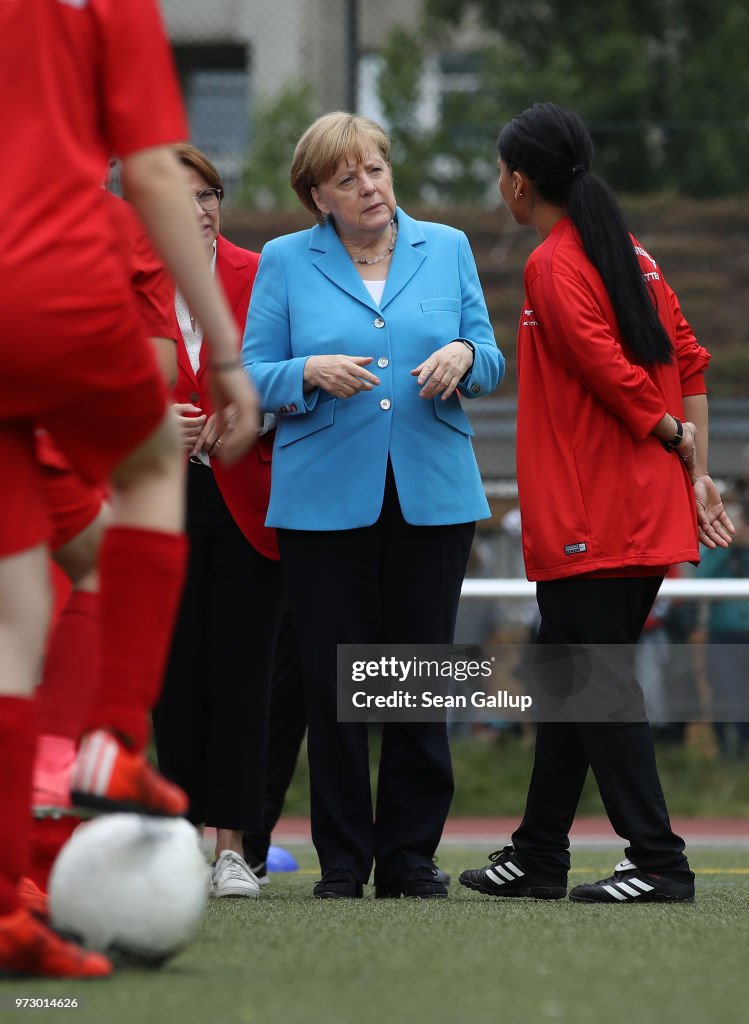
x=383, y=256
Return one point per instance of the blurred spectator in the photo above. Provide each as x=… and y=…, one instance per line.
x=663, y=664
x=727, y=655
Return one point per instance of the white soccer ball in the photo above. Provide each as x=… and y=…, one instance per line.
x=131, y=887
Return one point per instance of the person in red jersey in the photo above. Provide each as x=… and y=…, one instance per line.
x=79, y=513
x=211, y=721
x=90, y=79
x=613, y=489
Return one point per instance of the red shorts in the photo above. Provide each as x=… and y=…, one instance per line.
x=72, y=503
x=90, y=377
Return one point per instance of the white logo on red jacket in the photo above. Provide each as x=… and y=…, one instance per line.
x=645, y=255
x=529, y=323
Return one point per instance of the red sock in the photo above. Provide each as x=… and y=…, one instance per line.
x=48, y=836
x=71, y=668
x=141, y=574
x=17, y=744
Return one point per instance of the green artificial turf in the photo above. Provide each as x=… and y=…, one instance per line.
x=289, y=959
x=491, y=778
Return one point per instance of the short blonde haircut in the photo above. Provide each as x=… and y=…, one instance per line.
x=325, y=143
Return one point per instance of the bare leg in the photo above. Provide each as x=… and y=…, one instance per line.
x=228, y=839
x=24, y=618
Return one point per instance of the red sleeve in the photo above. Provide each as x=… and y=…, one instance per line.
x=582, y=339
x=142, y=98
x=153, y=288
x=692, y=358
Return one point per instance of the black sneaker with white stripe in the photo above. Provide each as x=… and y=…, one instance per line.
x=505, y=877
x=629, y=884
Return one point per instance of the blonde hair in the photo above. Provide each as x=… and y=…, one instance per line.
x=324, y=144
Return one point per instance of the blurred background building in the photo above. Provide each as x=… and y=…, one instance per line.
x=663, y=86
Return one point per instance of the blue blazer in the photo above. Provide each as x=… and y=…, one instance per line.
x=330, y=456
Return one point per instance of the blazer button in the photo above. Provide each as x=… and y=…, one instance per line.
x=194, y=397
x=382, y=362
x=385, y=404
x=379, y=322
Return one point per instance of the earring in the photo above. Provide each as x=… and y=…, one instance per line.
x=518, y=195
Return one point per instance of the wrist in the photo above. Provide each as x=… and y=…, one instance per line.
x=309, y=373
x=673, y=442
x=468, y=344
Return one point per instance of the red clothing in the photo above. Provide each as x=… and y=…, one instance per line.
x=82, y=77
x=151, y=284
x=72, y=502
x=245, y=487
x=87, y=81
x=598, y=491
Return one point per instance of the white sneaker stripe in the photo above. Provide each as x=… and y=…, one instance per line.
x=612, y=892
x=515, y=868
x=507, y=875
x=494, y=877
x=107, y=757
x=642, y=885
x=628, y=889
x=86, y=762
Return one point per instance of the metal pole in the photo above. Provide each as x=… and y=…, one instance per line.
x=352, y=54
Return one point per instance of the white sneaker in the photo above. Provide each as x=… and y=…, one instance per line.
x=232, y=877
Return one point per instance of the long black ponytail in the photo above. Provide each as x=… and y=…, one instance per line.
x=553, y=148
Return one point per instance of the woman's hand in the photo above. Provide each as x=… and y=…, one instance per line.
x=342, y=376
x=443, y=370
x=208, y=441
x=237, y=410
x=714, y=527
x=190, y=421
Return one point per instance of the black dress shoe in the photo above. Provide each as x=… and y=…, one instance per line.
x=421, y=884
x=337, y=884
x=442, y=875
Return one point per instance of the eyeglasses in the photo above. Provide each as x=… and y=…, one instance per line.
x=208, y=199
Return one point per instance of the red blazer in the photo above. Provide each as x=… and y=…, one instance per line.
x=245, y=487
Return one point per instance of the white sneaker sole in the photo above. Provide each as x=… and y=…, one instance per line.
x=236, y=892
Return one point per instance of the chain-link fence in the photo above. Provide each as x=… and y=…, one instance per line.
x=666, y=103
x=255, y=73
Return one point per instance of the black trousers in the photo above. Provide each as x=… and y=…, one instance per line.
x=621, y=754
x=211, y=722
x=286, y=728
x=386, y=583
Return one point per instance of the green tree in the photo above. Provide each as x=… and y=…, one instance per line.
x=451, y=162
x=399, y=88
x=277, y=125
x=663, y=84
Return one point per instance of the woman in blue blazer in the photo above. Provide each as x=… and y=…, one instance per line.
x=361, y=333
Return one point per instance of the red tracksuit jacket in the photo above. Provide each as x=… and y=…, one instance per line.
x=598, y=492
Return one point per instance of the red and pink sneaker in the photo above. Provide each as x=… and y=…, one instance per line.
x=33, y=899
x=28, y=947
x=107, y=777
x=53, y=766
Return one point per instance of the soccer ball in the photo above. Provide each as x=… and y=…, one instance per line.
x=131, y=887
